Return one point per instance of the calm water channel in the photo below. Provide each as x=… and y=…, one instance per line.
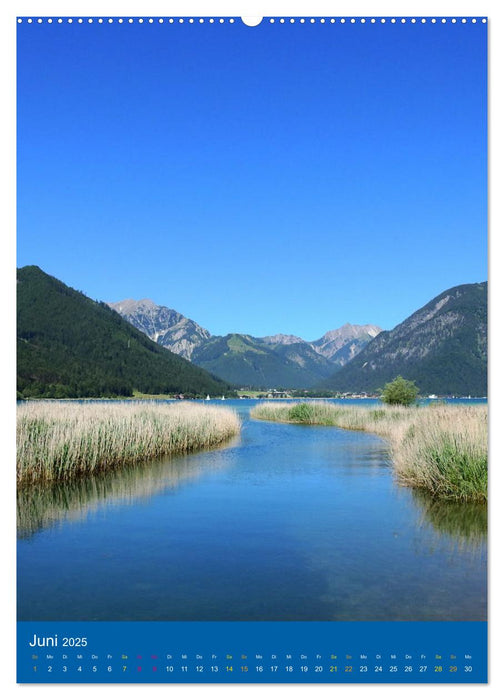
x=285, y=523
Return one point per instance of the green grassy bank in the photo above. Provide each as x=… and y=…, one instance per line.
x=440, y=448
x=57, y=441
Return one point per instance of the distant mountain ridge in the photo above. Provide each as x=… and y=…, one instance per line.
x=276, y=361
x=250, y=362
x=165, y=326
x=72, y=346
x=281, y=339
x=442, y=347
x=343, y=344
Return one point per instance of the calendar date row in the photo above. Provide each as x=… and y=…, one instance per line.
x=254, y=669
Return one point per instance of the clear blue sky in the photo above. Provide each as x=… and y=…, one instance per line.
x=283, y=178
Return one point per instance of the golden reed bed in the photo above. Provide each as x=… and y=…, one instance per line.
x=441, y=448
x=60, y=440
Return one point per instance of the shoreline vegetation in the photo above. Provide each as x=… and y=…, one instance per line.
x=56, y=442
x=439, y=448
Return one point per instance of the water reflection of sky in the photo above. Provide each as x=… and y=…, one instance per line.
x=287, y=522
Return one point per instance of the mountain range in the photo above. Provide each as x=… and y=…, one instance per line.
x=277, y=361
x=71, y=346
x=442, y=347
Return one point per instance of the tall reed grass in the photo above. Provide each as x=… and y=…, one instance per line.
x=441, y=448
x=58, y=441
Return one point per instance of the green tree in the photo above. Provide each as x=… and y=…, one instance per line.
x=400, y=392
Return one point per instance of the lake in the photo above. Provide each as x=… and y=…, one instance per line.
x=286, y=522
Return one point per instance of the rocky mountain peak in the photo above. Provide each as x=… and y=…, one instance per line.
x=280, y=358
x=128, y=306
x=165, y=326
x=441, y=346
x=281, y=339
x=349, y=338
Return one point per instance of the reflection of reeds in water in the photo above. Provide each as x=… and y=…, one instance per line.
x=439, y=448
x=466, y=524
x=57, y=441
x=41, y=505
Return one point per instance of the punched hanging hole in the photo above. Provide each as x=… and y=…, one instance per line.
x=251, y=21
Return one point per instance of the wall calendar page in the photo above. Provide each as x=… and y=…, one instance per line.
x=252, y=441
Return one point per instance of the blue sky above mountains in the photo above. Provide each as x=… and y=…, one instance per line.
x=282, y=178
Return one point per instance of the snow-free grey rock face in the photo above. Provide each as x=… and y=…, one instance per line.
x=273, y=361
x=442, y=347
x=165, y=326
x=343, y=344
x=282, y=339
